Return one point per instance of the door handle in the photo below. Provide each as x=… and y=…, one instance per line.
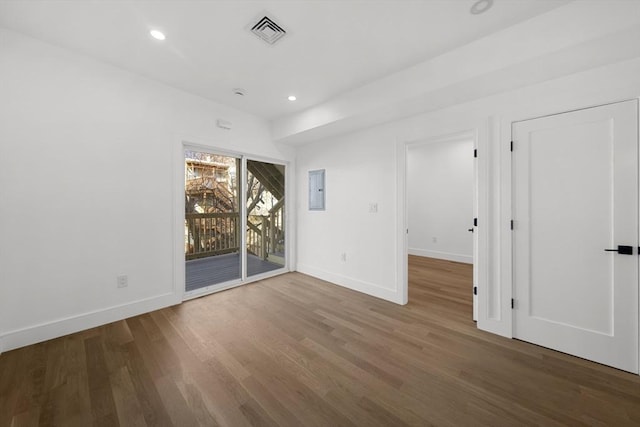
x=622, y=250
x=471, y=230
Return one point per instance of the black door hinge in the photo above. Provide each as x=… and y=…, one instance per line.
x=512, y=224
x=511, y=147
x=475, y=222
x=475, y=290
x=475, y=153
x=513, y=303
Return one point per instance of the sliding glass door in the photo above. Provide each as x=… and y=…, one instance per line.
x=265, y=217
x=217, y=251
x=212, y=219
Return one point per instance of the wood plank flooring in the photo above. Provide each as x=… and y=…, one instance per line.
x=296, y=351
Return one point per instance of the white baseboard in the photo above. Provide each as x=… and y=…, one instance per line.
x=46, y=331
x=441, y=255
x=393, y=295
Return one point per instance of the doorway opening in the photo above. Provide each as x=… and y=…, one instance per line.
x=440, y=207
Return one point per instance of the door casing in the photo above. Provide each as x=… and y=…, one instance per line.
x=403, y=221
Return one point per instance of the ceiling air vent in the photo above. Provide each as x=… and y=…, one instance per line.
x=268, y=30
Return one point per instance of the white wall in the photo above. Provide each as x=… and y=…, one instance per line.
x=364, y=166
x=87, y=154
x=359, y=172
x=440, y=199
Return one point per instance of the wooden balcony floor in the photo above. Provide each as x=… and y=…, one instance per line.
x=222, y=268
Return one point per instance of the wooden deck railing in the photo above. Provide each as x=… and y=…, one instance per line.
x=257, y=227
x=209, y=234
x=265, y=233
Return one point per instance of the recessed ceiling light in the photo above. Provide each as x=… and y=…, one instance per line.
x=481, y=6
x=292, y=98
x=158, y=35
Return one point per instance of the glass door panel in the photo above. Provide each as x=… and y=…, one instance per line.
x=265, y=233
x=212, y=219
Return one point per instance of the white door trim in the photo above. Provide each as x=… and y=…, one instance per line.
x=402, y=243
x=494, y=162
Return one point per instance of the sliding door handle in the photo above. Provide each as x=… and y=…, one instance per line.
x=622, y=250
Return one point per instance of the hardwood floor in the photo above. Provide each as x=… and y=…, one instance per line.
x=296, y=351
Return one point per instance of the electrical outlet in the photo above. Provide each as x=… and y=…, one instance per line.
x=343, y=257
x=123, y=281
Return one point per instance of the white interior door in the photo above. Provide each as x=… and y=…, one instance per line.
x=474, y=229
x=575, y=194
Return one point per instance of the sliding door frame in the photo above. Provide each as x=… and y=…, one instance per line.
x=179, y=218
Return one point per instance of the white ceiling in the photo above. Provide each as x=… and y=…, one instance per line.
x=331, y=46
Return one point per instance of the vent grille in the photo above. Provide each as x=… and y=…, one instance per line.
x=268, y=30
